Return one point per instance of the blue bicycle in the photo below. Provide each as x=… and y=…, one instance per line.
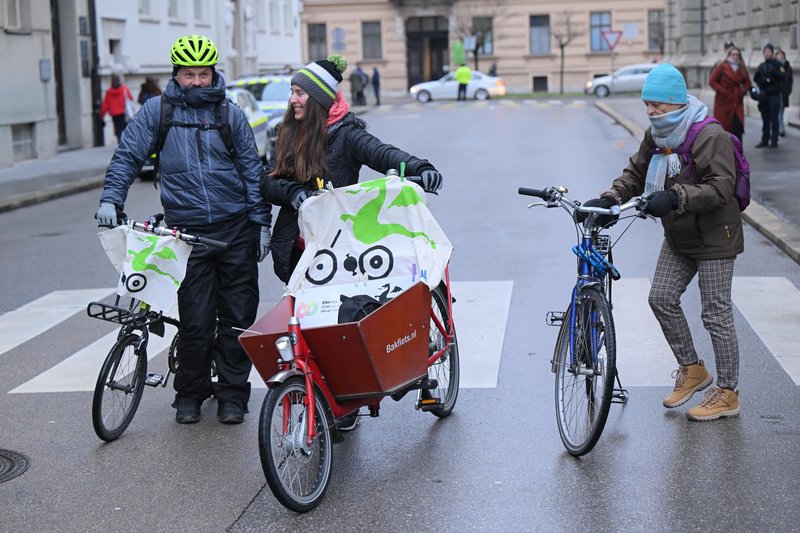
x=584, y=360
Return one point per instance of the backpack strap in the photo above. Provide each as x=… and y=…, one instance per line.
x=685, y=149
x=164, y=124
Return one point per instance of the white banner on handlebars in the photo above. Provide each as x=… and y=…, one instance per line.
x=374, y=230
x=151, y=267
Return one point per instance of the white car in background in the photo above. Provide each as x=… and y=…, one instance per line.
x=272, y=91
x=626, y=79
x=480, y=87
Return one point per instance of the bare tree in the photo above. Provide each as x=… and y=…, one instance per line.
x=479, y=19
x=563, y=32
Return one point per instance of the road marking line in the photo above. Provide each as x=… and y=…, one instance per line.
x=644, y=359
x=36, y=317
x=79, y=371
x=771, y=306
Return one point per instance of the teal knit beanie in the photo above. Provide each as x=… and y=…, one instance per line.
x=665, y=84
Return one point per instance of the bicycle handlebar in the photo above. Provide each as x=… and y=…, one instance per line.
x=152, y=226
x=418, y=181
x=554, y=196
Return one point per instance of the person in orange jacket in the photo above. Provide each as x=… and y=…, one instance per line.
x=114, y=104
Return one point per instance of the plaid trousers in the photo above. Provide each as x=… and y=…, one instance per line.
x=673, y=274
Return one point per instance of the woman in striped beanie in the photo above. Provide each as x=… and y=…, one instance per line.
x=321, y=138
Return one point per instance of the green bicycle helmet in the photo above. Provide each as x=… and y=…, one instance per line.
x=193, y=51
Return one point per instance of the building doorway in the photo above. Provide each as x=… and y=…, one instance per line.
x=426, y=48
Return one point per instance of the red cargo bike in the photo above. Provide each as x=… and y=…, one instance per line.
x=317, y=375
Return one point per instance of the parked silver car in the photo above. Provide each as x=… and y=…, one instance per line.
x=480, y=87
x=626, y=79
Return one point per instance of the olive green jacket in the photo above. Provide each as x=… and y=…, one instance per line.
x=707, y=223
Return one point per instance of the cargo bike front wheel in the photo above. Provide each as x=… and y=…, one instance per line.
x=298, y=471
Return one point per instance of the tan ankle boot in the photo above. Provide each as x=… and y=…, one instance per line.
x=718, y=403
x=688, y=380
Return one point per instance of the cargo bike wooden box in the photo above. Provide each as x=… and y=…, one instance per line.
x=317, y=375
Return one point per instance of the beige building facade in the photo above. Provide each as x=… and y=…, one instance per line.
x=419, y=40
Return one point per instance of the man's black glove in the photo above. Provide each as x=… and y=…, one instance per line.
x=661, y=203
x=606, y=202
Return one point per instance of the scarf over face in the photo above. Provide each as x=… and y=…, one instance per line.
x=669, y=130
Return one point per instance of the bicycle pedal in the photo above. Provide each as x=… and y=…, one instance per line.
x=429, y=404
x=555, y=318
x=619, y=396
x=153, y=379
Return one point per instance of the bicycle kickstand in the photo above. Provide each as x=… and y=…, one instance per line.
x=619, y=395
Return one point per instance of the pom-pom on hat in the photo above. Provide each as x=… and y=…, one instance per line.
x=665, y=84
x=321, y=79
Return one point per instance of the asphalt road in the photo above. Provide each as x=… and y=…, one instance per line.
x=497, y=463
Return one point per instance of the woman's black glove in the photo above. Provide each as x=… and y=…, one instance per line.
x=606, y=202
x=431, y=180
x=661, y=203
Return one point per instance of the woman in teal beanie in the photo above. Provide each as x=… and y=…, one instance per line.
x=702, y=235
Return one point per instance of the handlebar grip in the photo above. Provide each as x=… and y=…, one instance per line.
x=533, y=192
x=418, y=181
x=210, y=242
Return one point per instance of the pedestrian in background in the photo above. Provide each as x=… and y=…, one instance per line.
x=148, y=90
x=769, y=78
x=376, y=85
x=731, y=83
x=114, y=104
x=463, y=75
x=356, y=87
x=702, y=236
x=205, y=190
x=362, y=97
x=786, y=88
x=321, y=141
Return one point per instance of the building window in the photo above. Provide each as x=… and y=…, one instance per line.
x=540, y=35
x=317, y=42
x=200, y=11
x=288, y=17
x=482, y=29
x=655, y=29
x=371, y=38
x=174, y=9
x=540, y=84
x=145, y=8
x=23, y=139
x=600, y=21
x=13, y=16
x=274, y=16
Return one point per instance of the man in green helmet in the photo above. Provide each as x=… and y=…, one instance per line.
x=205, y=190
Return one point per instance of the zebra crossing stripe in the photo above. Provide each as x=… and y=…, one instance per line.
x=771, y=306
x=79, y=371
x=36, y=317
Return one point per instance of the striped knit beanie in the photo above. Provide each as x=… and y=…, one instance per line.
x=321, y=79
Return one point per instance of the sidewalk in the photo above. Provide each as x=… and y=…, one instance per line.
x=774, y=173
x=36, y=181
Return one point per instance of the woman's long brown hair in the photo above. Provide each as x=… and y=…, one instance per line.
x=300, y=150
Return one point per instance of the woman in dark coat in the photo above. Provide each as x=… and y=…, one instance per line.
x=731, y=82
x=321, y=141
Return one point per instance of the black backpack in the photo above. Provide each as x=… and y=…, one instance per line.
x=165, y=122
x=354, y=308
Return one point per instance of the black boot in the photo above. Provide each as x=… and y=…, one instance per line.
x=762, y=144
x=188, y=411
x=773, y=144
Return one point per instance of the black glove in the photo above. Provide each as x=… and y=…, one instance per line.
x=606, y=202
x=661, y=203
x=299, y=197
x=431, y=180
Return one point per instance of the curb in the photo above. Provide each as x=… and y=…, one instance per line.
x=783, y=235
x=63, y=189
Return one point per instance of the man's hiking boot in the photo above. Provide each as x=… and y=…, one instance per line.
x=188, y=410
x=688, y=380
x=717, y=403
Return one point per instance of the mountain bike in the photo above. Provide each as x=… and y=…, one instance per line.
x=124, y=375
x=584, y=360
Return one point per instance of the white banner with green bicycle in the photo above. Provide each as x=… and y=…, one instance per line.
x=375, y=237
x=151, y=267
